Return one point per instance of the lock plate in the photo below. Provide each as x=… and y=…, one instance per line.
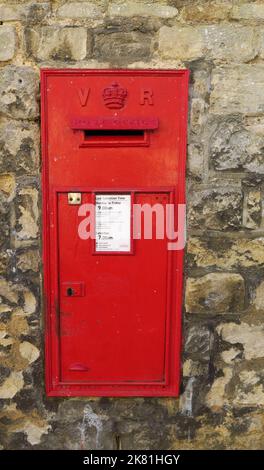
x=74, y=198
x=73, y=289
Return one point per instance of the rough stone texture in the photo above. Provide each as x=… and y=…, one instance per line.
x=216, y=397
x=56, y=43
x=141, y=9
x=193, y=369
x=7, y=184
x=11, y=12
x=259, y=298
x=37, y=13
x=221, y=404
x=226, y=253
x=252, y=209
x=198, y=343
x=27, y=214
x=195, y=164
x=181, y=43
x=232, y=354
x=205, y=12
x=197, y=115
x=7, y=291
x=226, y=43
x=28, y=351
x=250, y=394
x=123, y=47
x=7, y=42
x=237, y=145
x=251, y=338
x=216, y=209
x=11, y=385
x=79, y=10
x=19, y=147
x=18, y=92
x=215, y=293
x=237, y=89
x=28, y=260
x=28, y=12
x=248, y=11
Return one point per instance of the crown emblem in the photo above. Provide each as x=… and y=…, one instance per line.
x=114, y=96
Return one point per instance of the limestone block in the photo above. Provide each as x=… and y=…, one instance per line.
x=123, y=47
x=216, y=209
x=237, y=89
x=198, y=342
x=19, y=147
x=19, y=88
x=130, y=8
x=27, y=227
x=58, y=43
x=29, y=352
x=7, y=42
x=215, y=293
x=88, y=10
x=237, y=145
x=248, y=11
x=221, y=43
x=12, y=385
x=250, y=336
x=226, y=253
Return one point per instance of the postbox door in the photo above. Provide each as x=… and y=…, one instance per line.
x=113, y=306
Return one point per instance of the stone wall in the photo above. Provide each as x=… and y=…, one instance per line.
x=222, y=43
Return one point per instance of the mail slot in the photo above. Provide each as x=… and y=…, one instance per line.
x=113, y=152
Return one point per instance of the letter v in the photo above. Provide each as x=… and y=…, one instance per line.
x=83, y=95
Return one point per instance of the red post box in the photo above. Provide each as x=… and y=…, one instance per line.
x=112, y=141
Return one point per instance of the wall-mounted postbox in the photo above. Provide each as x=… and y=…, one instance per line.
x=112, y=141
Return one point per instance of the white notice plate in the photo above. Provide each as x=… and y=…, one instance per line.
x=113, y=222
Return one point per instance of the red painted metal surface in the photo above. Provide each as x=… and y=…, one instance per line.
x=114, y=123
x=113, y=320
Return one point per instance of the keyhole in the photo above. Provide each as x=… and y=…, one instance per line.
x=70, y=291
